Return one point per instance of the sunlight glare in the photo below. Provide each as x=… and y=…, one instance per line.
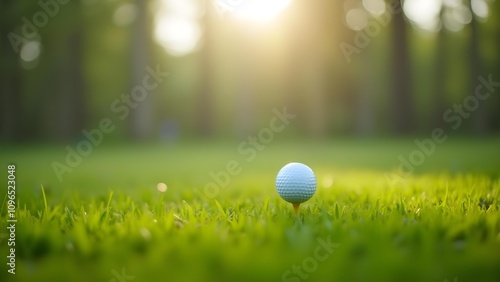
x=424, y=13
x=480, y=8
x=260, y=10
x=176, y=26
x=179, y=36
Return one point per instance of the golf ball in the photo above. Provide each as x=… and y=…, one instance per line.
x=296, y=183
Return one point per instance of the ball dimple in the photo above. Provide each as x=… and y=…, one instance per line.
x=296, y=183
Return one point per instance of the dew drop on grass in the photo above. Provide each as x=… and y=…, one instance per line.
x=162, y=187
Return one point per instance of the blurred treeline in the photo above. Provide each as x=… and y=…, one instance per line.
x=91, y=52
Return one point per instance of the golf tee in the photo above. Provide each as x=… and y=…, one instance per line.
x=296, y=208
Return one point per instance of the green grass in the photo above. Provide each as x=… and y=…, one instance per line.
x=442, y=222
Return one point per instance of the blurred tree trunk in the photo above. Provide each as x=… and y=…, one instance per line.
x=480, y=118
x=440, y=68
x=10, y=77
x=306, y=74
x=73, y=103
x=345, y=89
x=315, y=94
x=314, y=89
x=141, y=118
x=495, y=114
x=245, y=115
x=403, y=112
x=365, y=109
x=205, y=101
x=294, y=64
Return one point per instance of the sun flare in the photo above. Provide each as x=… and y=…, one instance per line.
x=256, y=10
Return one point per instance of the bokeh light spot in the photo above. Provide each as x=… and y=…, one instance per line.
x=30, y=51
x=356, y=19
x=125, y=15
x=162, y=187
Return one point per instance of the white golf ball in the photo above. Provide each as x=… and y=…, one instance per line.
x=296, y=183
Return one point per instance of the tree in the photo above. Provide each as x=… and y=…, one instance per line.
x=403, y=112
x=440, y=68
x=476, y=69
x=72, y=94
x=205, y=101
x=141, y=118
x=10, y=77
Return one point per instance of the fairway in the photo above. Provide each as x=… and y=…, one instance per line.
x=250, y=141
x=106, y=221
